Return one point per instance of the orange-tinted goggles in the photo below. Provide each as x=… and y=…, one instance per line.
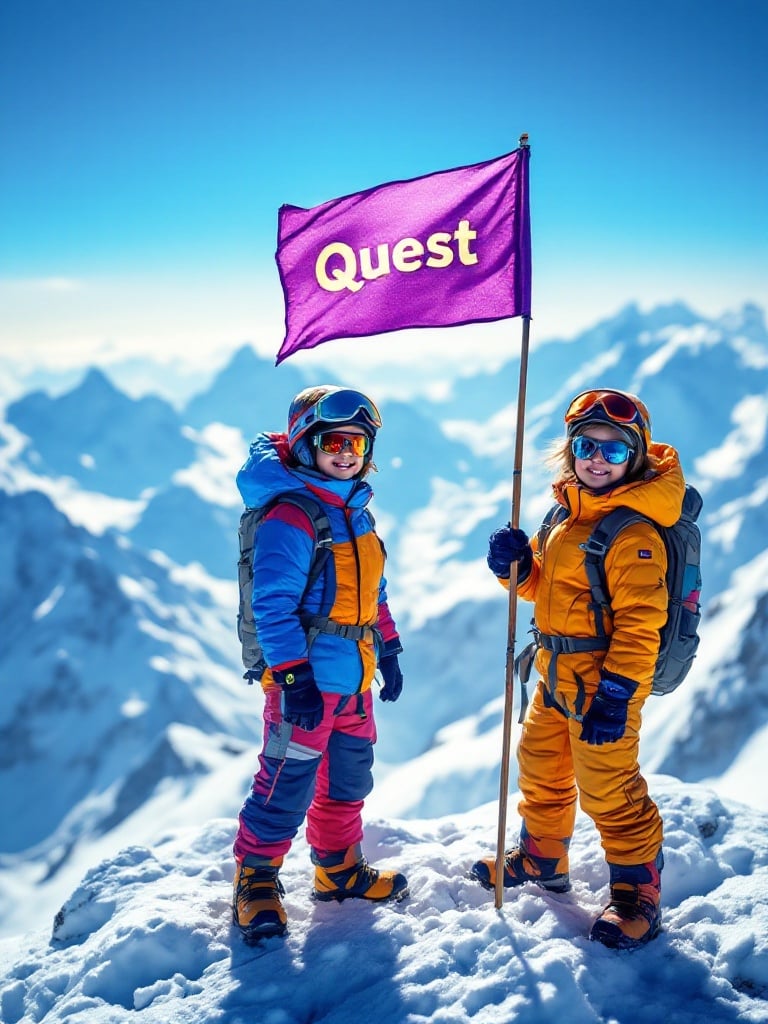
x=334, y=443
x=616, y=405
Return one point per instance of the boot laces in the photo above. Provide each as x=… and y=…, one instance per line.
x=366, y=874
x=252, y=885
x=520, y=865
x=631, y=902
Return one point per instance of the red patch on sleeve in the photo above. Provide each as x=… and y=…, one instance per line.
x=293, y=516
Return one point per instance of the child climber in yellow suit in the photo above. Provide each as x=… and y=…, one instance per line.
x=580, y=738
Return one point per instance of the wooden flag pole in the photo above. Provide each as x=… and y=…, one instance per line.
x=511, y=620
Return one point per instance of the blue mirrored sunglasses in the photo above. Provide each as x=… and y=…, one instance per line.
x=614, y=452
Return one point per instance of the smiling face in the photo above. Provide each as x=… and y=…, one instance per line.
x=344, y=465
x=595, y=472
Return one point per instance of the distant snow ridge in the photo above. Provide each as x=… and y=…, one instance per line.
x=102, y=438
x=94, y=628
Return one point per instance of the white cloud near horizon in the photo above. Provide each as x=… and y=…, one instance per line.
x=59, y=322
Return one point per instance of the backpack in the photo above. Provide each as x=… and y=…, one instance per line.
x=679, y=638
x=252, y=655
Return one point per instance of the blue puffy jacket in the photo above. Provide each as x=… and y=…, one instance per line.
x=351, y=589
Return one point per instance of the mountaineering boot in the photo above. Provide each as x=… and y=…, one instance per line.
x=633, y=917
x=543, y=861
x=257, y=909
x=346, y=874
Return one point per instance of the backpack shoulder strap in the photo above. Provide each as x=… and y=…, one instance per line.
x=316, y=514
x=556, y=514
x=595, y=548
x=313, y=510
x=320, y=524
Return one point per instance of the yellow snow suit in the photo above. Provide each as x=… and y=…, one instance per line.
x=555, y=766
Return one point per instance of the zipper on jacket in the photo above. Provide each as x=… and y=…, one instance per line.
x=353, y=540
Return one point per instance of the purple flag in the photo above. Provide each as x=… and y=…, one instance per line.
x=448, y=248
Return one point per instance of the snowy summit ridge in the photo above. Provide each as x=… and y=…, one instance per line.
x=147, y=935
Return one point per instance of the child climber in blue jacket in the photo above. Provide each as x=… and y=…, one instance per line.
x=319, y=727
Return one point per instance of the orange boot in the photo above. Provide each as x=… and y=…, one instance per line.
x=257, y=908
x=633, y=917
x=543, y=861
x=346, y=874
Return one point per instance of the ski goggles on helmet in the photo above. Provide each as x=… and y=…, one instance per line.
x=334, y=443
x=616, y=405
x=342, y=406
x=614, y=452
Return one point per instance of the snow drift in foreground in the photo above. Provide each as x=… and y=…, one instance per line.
x=149, y=933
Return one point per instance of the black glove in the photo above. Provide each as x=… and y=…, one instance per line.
x=302, y=701
x=606, y=717
x=390, y=670
x=508, y=545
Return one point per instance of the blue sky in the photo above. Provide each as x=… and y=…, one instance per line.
x=147, y=145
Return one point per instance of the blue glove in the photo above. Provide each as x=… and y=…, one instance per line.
x=302, y=701
x=505, y=546
x=606, y=717
x=390, y=670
